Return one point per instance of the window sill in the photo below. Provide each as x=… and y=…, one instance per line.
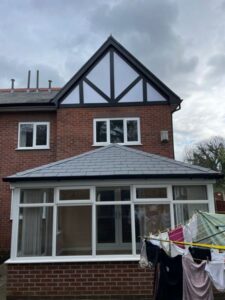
x=26, y=149
x=122, y=144
x=49, y=260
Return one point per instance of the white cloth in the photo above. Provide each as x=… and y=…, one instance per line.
x=216, y=272
x=143, y=262
x=175, y=250
x=217, y=256
x=164, y=245
x=155, y=242
x=191, y=229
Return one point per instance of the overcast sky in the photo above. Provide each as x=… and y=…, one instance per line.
x=182, y=42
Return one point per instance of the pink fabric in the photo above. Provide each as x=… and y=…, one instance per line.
x=177, y=235
x=196, y=282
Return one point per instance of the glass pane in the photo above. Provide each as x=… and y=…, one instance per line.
x=124, y=74
x=35, y=231
x=150, y=218
x=26, y=135
x=41, y=135
x=135, y=94
x=132, y=131
x=74, y=235
x=113, y=194
x=91, y=96
x=113, y=229
x=116, y=131
x=106, y=224
x=153, y=94
x=100, y=75
x=146, y=193
x=37, y=196
x=101, y=132
x=73, y=97
x=74, y=194
x=190, y=192
x=183, y=212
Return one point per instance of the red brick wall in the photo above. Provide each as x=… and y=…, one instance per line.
x=71, y=133
x=80, y=279
x=75, y=128
x=12, y=161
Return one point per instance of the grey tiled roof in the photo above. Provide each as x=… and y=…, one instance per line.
x=24, y=97
x=117, y=161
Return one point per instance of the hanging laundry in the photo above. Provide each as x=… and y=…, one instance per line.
x=175, y=250
x=153, y=252
x=164, y=245
x=169, y=285
x=215, y=255
x=196, y=282
x=177, y=235
x=216, y=272
x=143, y=256
x=199, y=254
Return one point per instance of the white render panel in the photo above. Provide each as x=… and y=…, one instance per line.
x=153, y=95
x=73, y=97
x=91, y=96
x=135, y=94
x=124, y=74
x=100, y=75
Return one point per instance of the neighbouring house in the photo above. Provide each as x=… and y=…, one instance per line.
x=87, y=171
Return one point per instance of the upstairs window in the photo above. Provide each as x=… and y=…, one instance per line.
x=33, y=135
x=125, y=131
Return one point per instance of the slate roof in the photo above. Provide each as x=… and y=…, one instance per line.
x=114, y=161
x=22, y=97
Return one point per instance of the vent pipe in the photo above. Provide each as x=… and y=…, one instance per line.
x=28, y=81
x=37, y=81
x=50, y=85
x=12, y=85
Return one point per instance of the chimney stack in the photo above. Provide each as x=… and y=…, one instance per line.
x=12, y=85
x=50, y=85
x=28, y=81
x=37, y=82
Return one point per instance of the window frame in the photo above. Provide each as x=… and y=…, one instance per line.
x=94, y=204
x=34, y=142
x=125, y=120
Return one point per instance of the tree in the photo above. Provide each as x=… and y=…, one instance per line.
x=209, y=154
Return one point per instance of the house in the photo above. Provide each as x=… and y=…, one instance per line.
x=87, y=171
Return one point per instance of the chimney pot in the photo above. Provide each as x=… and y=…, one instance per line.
x=12, y=85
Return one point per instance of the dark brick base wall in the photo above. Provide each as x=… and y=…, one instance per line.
x=118, y=280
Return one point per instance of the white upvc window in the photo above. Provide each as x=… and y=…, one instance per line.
x=101, y=222
x=123, y=131
x=33, y=135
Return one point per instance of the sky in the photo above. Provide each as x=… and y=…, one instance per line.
x=182, y=42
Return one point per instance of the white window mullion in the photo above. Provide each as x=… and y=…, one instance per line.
x=15, y=224
x=54, y=230
x=133, y=230
x=94, y=225
x=125, y=130
x=170, y=197
x=210, y=196
x=34, y=134
x=108, y=131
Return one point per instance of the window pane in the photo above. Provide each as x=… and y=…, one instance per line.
x=75, y=194
x=37, y=196
x=183, y=212
x=101, y=132
x=41, y=135
x=116, y=131
x=132, y=131
x=74, y=235
x=113, y=229
x=35, y=231
x=26, y=135
x=113, y=194
x=190, y=192
x=150, y=218
x=146, y=193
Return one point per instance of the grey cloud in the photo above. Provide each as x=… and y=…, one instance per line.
x=215, y=68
